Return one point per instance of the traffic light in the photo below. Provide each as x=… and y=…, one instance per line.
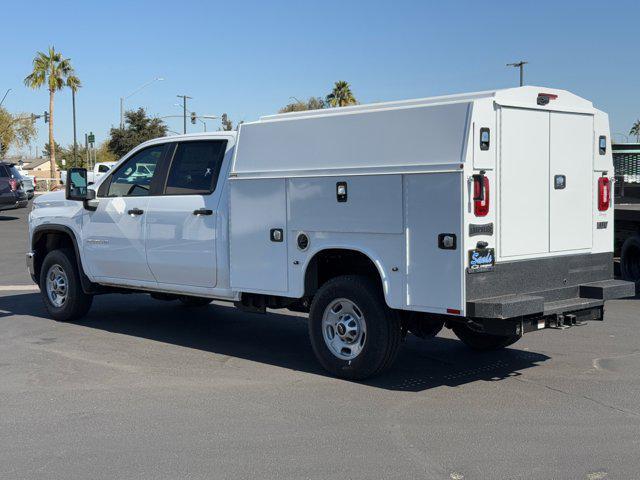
x=193, y=117
x=46, y=117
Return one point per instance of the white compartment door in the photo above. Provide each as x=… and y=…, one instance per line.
x=524, y=182
x=258, y=263
x=571, y=151
x=433, y=205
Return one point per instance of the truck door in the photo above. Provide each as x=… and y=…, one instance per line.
x=570, y=177
x=545, y=170
x=114, y=234
x=524, y=182
x=181, y=220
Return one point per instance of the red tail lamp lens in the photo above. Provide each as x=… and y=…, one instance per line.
x=604, y=194
x=480, y=195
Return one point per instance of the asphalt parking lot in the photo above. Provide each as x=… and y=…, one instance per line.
x=149, y=389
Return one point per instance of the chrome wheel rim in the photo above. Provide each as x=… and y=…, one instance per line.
x=57, y=285
x=344, y=329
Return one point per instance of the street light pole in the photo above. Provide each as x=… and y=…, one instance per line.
x=5, y=96
x=75, y=143
x=519, y=65
x=184, y=111
x=122, y=99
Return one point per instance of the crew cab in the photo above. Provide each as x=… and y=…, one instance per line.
x=488, y=213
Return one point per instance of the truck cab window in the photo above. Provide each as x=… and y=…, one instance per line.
x=134, y=177
x=195, y=167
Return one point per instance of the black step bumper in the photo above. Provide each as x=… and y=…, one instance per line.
x=590, y=295
x=544, y=287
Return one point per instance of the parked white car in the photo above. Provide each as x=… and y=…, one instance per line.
x=28, y=181
x=99, y=169
x=488, y=213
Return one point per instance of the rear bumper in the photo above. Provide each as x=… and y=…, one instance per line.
x=18, y=203
x=544, y=287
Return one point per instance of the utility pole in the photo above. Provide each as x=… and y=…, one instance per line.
x=519, y=65
x=184, y=111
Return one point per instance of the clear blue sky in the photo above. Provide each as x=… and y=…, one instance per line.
x=247, y=58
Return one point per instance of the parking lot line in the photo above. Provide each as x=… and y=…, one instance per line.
x=19, y=288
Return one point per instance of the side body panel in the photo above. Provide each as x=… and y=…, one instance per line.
x=258, y=264
x=433, y=206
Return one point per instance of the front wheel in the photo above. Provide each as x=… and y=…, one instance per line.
x=353, y=333
x=60, y=286
x=483, y=341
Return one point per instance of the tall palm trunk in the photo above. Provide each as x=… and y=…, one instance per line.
x=52, y=143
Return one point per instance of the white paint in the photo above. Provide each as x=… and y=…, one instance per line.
x=523, y=182
x=407, y=166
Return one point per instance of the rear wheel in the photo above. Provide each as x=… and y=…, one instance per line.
x=353, y=333
x=630, y=259
x=60, y=286
x=195, y=301
x=482, y=341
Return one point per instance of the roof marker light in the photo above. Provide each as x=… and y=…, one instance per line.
x=543, y=98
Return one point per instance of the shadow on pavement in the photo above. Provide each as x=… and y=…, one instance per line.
x=279, y=339
x=4, y=218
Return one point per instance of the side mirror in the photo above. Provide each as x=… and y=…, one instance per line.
x=76, y=185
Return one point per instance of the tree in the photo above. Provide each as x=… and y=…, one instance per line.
x=54, y=71
x=138, y=128
x=103, y=154
x=313, y=103
x=635, y=130
x=341, y=95
x=15, y=130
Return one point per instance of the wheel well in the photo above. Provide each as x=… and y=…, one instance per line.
x=44, y=242
x=331, y=263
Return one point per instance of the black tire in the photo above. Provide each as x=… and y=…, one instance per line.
x=383, y=329
x=482, y=341
x=195, y=301
x=630, y=259
x=76, y=303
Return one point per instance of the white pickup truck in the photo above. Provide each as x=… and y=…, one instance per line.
x=489, y=213
x=99, y=169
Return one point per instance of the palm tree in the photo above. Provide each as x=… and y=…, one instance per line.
x=341, y=95
x=635, y=130
x=54, y=71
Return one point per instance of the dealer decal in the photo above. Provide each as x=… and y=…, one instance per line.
x=481, y=260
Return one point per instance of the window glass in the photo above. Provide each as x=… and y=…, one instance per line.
x=14, y=172
x=133, y=178
x=103, y=168
x=195, y=167
x=3, y=171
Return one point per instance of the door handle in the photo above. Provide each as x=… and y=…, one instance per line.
x=203, y=211
x=135, y=211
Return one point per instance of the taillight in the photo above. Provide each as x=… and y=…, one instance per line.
x=13, y=183
x=604, y=193
x=480, y=195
